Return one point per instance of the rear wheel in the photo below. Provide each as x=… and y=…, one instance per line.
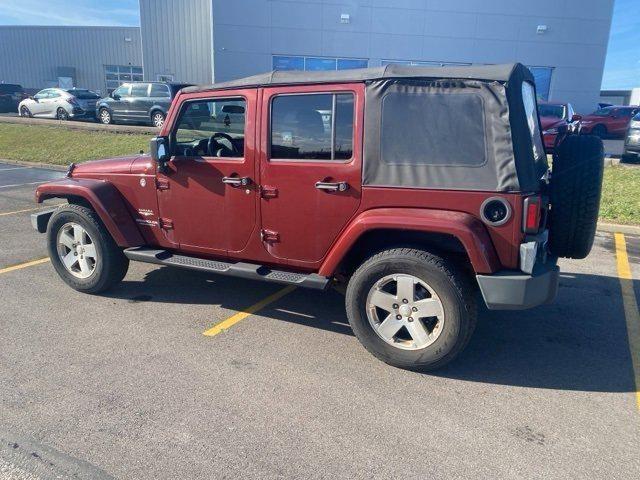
x=82, y=251
x=157, y=119
x=62, y=114
x=576, y=185
x=411, y=309
x=105, y=116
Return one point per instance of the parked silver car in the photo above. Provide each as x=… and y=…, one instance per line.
x=60, y=103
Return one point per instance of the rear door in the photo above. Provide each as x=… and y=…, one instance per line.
x=310, y=169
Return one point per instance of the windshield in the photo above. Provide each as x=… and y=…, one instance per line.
x=603, y=112
x=83, y=94
x=547, y=110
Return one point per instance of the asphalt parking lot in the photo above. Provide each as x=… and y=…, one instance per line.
x=126, y=385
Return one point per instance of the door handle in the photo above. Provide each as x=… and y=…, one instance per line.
x=332, y=186
x=236, y=181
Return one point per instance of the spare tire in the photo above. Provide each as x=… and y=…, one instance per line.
x=575, y=188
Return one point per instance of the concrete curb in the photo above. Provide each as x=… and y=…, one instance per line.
x=77, y=125
x=618, y=228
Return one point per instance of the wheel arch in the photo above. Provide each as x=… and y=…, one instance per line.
x=104, y=199
x=454, y=233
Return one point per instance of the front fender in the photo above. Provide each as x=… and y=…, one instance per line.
x=469, y=230
x=106, y=201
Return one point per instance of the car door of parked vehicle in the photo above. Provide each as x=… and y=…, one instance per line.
x=39, y=104
x=621, y=119
x=310, y=168
x=118, y=102
x=138, y=103
x=204, y=202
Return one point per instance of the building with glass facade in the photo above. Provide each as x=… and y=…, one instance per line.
x=563, y=42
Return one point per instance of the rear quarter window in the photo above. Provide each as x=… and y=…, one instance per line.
x=434, y=129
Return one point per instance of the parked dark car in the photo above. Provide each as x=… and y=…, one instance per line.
x=610, y=121
x=632, y=140
x=138, y=102
x=554, y=115
x=10, y=96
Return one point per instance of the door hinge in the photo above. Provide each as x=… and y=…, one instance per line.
x=166, y=224
x=268, y=192
x=162, y=184
x=269, y=236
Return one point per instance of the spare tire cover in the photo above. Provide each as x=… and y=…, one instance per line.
x=576, y=185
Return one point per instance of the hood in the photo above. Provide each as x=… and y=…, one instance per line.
x=109, y=165
x=548, y=122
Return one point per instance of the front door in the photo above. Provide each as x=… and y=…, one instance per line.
x=207, y=196
x=138, y=103
x=310, y=171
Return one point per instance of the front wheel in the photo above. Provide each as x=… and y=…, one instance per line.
x=105, y=116
x=82, y=250
x=599, y=131
x=25, y=112
x=411, y=309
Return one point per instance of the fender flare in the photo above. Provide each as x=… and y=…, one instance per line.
x=106, y=201
x=469, y=230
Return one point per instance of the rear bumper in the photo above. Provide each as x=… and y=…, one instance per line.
x=513, y=290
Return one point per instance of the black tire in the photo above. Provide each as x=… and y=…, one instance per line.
x=599, y=131
x=62, y=114
x=630, y=157
x=105, y=117
x=157, y=118
x=576, y=186
x=111, y=264
x=25, y=112
x=452, y=285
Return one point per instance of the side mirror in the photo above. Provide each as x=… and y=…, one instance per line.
x=576, y=117
x=159, y=150
x=115, y=96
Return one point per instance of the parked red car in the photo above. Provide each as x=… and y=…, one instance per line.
x=610, y=121
x=364, y=178
x=553, y=116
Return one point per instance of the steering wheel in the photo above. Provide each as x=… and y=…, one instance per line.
x=213, y=143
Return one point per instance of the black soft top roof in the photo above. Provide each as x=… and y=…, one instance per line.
x=499, y=73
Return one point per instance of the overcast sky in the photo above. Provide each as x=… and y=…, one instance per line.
x=622, y=68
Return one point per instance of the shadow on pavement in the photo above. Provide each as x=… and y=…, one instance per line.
x=577, y=343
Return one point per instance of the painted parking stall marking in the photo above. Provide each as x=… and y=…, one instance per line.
x=231, y=321
x=20, y=266
x=632, y=316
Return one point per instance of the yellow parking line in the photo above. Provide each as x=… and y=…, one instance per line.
x=24, y=265
x=19, y=211
x=231, y=321
x=631, y=313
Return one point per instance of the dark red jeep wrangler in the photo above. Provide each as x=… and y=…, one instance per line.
x=416, y=187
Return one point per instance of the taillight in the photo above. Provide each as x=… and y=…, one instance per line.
x=531, y=214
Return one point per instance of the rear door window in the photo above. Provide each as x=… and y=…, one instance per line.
x=312, y=126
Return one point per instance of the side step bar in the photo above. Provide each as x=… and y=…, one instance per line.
x=239, y=269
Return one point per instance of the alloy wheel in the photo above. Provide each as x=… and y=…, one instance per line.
x=157, y=119
x=105, y=116
x=62, y=114
x=405, y=312
x=76, y=250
